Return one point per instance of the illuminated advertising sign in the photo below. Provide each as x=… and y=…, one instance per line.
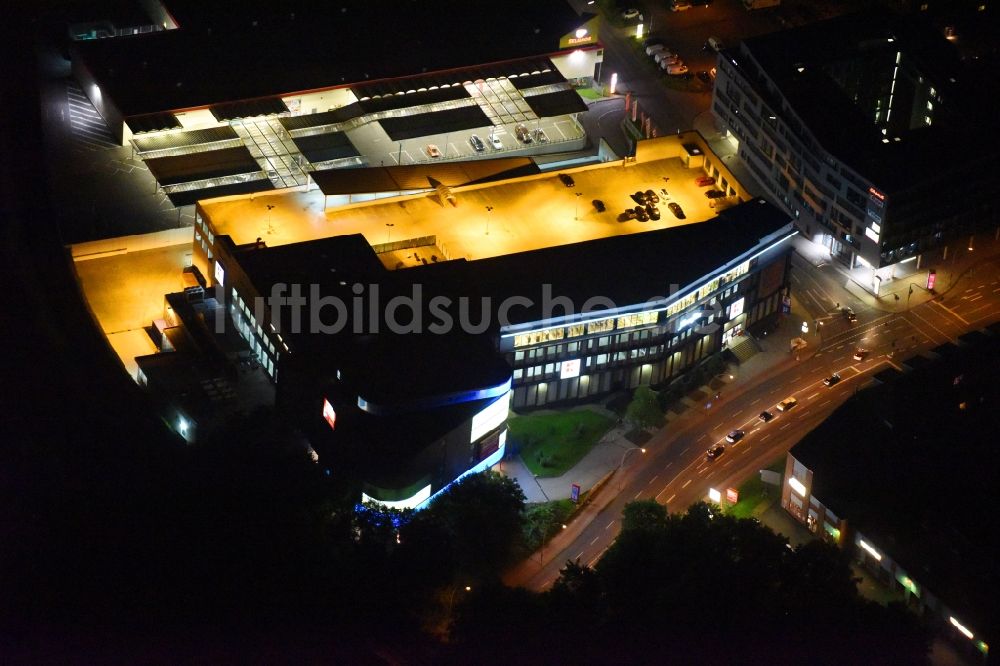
x=736, y=309
x=329, y=415
x=875, y=193
x=931, y=280
x=220, y=273
x=569, y=369
x=491, y=417
x=732, y=495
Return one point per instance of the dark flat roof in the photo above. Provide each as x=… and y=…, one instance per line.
x=153, y=122
x=435, y=122
x=418, y=176
x=916, y=473
x=556, y=104
x=871, y=41
x=243, y=49
x=326, y=146
x=199, y=166
x=190, y=197
x=263, y=106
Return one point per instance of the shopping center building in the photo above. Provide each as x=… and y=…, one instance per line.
x=219, y=104
x=402, y=357
x=868, y=131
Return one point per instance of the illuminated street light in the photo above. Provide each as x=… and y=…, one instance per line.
x=489, y=211
x=614, y=83
x=576, y=210
x=388, y=231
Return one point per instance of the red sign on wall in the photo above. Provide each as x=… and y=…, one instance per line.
x=732, y=495
x=931, y=280
x=329, y=414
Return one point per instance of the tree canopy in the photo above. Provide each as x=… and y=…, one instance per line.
x=708, y=587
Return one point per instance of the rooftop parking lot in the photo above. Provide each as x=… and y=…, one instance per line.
x=486, y=221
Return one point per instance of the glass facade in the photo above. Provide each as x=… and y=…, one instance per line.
x=649, y=347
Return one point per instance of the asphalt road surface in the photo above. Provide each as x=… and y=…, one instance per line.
x=675, y=471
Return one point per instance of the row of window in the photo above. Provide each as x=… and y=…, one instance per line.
x=253, y=333
x=589, y=362
x=648, y=318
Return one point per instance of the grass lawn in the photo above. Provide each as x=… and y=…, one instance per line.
x=755, y=493
x=550, y=444
x=588, y=93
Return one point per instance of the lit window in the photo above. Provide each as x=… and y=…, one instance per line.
x=641, y=319
x=601, y=325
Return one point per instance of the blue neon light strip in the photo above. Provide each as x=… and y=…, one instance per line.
x=436, y=401
x=486, y=463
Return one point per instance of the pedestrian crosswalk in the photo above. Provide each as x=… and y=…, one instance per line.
x=88, y=128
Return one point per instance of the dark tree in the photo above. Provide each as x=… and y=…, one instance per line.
x=644, y=514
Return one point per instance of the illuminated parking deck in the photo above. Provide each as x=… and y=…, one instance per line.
x=515, y=216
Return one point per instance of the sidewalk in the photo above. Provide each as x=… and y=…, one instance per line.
x=906, y=287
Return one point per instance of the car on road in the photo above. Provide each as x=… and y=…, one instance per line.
x=787, y=404
x=651, y=197
x=849, y=315
x=656, y=48
x=639, y=197
x=765, y=416
x=832, y=380
x=567, y=180
x=735, y=436
x=654, y=212
x=598, y=205
x=477, y=143
x=629, y=214
x=704, y=76
x=680, y=6
x=631, y=13
x=496, y=142
x=860, y=353
x=676, y=209
x=652, y=41
x=433, y=151
x=541, y=136
x=704, y=181
x=522, y=133
x=677, y=70
x=715, y=452
x=641, y=214
x=666, y=58
x=714, y=194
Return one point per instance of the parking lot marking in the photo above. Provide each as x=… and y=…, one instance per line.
x=608, y=526
x=784, y=426
x=687, y=483
x=653, y=479
x=812, y=396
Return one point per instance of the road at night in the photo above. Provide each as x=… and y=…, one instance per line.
x=674, y=470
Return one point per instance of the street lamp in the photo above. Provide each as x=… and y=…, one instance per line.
x=489, y=211
x=270, y=207
x=629, y=450
x=576, y=210
x=388, y=231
